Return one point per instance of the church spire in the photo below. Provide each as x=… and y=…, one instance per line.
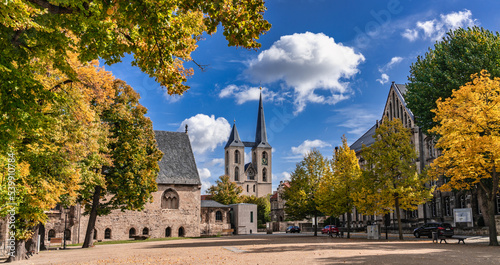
x=261, y=134
x=234, y=138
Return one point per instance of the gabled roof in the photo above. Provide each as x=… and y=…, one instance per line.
x=211, y=203
x=177, y=165
x=367, y=139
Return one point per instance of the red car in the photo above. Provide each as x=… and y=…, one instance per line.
x=330, y=228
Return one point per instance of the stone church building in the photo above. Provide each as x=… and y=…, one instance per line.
x=174, y=211
x=441, y=207
x=254, y=177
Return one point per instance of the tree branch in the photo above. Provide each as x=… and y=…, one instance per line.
x=53, y=9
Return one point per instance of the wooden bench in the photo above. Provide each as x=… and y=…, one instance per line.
x=55, y=240
x=227, y=231
x=443, y=238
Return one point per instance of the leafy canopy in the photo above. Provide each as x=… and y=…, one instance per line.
x=448, y=66
x=225, y=191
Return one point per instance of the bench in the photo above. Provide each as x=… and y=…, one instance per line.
x=227, y=231
x=55, y=240
x=443, y=238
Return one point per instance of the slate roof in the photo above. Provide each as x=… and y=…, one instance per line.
x=177, y=165
x=367, y=139
x=211, y=203
x=401, y=91
x=234, y=138
x=261, y=133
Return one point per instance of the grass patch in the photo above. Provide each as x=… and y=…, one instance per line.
x=138, y=241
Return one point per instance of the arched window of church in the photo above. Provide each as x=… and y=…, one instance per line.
x=247, y=188
x=236, y=156
x=264, y=175
x=236, y=174
x=181, y=231
x=170, y=199
x=218, y=216
x=107, y=233
x=131, y=232
x=67, y=234
x=52, y=234
x=264, y=158
x=253, y=187
x=145, y=231
x=168, y=232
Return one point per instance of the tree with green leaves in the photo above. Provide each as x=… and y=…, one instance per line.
x=461, y=53
x=469, y=125
x=304, y=182
x=389, y=180
x=263, y=208
x=336, y=190
x=225, y=191
x=130, y=179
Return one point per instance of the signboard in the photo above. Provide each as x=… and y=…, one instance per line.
x=462, y=215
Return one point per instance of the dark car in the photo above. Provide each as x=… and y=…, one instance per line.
x=293, y=229
x=443, y=229
x=330, y=228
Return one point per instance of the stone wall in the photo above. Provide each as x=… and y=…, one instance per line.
x=209, y=226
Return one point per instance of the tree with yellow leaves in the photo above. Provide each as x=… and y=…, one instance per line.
x=469, y=126
x=336, y=190
x=390, y=181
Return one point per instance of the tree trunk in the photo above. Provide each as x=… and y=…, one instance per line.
x=349, y=218
x=89, y=234
x=19, y=252
x=487, y=205
x=41, y=232
x=398, y=214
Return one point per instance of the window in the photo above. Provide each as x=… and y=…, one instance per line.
x=67, y=234
x=131, y=232
x=170, y=200
x=236, y=156
x=95, y=234
x=462, y=202
x=433, y=208
x=181, y=231
x=218, y=216
x=52, y=234
x=447, y=206
x=107, y=233
x=236, y=174
x=168, y=232
x=264, y=158
x=253, y=187
x=264, y=175
x=145, y=231
x=251, y=217
x=247, y=188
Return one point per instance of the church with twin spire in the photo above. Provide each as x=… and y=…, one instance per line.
x=254, y=177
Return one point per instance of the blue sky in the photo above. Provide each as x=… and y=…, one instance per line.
x=325, y=68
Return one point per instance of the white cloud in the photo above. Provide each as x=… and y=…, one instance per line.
x=206, y=132
x=245, y=93
x=356, y=119
x=308, y=62
x=435, y=29
x=384, y=78
x=394, y=61
x=204, y=177
x=281, y=176
x=216, y=162
x=308, y=145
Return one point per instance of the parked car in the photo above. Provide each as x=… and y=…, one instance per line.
x=443, y=229
x=293, y=229
x=330, y=228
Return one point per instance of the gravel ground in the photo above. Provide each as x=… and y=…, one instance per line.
x=279, y=248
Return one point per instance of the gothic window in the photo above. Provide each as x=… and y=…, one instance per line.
x=67, y=234
x=447, y=206
x=236, y=174
x=264, y=158
x=218, y=216
x=264, y=175
x=251, y=174
x=247, y=188
x=254, y=188
x=131, y=232
x=236, y=156
x=181, y=231
x=52, y=234
x=168, y=232
x=107, y=233
x=170, y=200
x=145, y=231
x=433, y=206
x=95, y=234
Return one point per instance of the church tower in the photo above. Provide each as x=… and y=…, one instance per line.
x=255, y=177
